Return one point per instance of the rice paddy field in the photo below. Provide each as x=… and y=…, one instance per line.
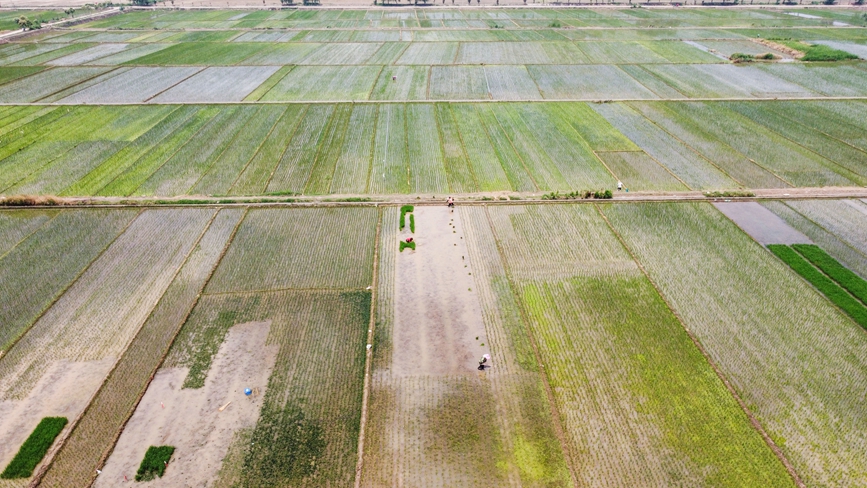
x=223, y=238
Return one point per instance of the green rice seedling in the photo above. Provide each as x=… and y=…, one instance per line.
x=389, y=171
x=853, y=283
x=97, y=430
x=353, y=165
x=427, y=171
x=751, y=328
x=330, y=147
x=269, y=250
x=155, y=462
x=403, y=211
x=258, y=169
x=38, y=269
x=34, y=448
x=832, y=290
x=103, y=310
x=407, y=245
x=412, y=223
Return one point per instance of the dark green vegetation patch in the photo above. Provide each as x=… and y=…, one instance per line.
x=34, y=448
x=154, y=463
x=828, y=287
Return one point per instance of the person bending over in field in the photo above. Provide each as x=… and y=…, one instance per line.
x=451, y=203
x=483, y=361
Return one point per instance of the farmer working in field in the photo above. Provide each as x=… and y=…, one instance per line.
x=451, y=203
x=483, y=361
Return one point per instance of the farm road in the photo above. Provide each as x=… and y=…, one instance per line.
x=437, y=317
x=763, y=225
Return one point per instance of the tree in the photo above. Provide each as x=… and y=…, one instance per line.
x=27, y=24
x=70, y=12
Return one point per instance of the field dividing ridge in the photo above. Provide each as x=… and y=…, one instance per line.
x=94, y=435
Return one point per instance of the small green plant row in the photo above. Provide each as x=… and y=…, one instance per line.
x=574, y=195
x=154, y=464
x=729, y=194
x=405, y=245
x=831, y=289
x=407, y=209
x=34, y=448
x=749, y=58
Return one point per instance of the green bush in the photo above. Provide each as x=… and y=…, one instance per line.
x=403, y=211
x=412, y=223
x=729, y=194
x=154, y=463
x=742, y=58
x=34, y=448
x=837, y=295
x=836, y=271
x=404, y=245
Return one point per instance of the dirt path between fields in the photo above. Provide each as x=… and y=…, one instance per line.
x=63, y=391
x=763, y=225
x=438, y=324
x=190, y=420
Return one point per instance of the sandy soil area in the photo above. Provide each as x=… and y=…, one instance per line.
x=762, y=224
x=63, y=391
x=190, y=419
x=438, y=327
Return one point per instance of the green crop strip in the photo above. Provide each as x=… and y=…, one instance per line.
x=154, y=463
x=406, y=209
x=34, y=448
x=836, y=271
x=834, y=292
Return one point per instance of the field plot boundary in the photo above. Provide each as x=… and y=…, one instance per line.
x=58, y=445
x=105, y=455
x=368, y=360
x=559, y=428
x=753, y=420
x=60, y=293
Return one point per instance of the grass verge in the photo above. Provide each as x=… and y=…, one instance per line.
x=816, y=52
x=34, y=448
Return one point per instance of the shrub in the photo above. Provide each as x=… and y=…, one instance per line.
x=404, y=245
x=403, y=211
x=154, y=463
x=555, y=24
x=34, y=448
x=30, y=201
x=741, y=58
x=729, y=194
x=836, y=271
x=412, y=223
x=831, y=290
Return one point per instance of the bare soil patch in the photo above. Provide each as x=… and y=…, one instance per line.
x=762, y=224
x=190, y=419
x=438, y=327
x=63, y=391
